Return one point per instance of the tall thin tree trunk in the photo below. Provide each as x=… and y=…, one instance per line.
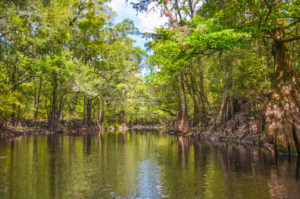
x=13, y=82
x=183, y=124
x=37, y=101
x=13, y=114
x=89, y=111
x=123, y=119
x=149, y=113
x=100, y=113
x=53, y=117
x=202, y=100
x=179, y=112
x=18, y=113
x=73, y=105
x=60, y=109
x=193, y=93
x=46, y=104
x=84, y=111
x=196, y=116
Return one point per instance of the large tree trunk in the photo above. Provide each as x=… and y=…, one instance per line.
x=123, y=119
x=230, y=104
x=183, y=123
x=229, y=107
x=283, y=115
x=226, y=110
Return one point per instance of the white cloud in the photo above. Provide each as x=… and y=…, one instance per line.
x=146, y=22
x=121, y=6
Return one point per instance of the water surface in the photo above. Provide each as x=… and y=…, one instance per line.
x=141, y=164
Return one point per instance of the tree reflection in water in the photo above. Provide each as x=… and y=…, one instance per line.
x=141, y=164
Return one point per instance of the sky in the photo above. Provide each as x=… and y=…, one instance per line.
x=145, y=22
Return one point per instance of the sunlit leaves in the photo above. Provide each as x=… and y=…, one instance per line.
x=73, y=47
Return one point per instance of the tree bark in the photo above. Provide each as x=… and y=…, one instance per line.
x=89, y=111
x=149, y=113
x=54, y=116
x=14, y=87
x=226, y=110
x=283, y=115
x=100, y=113
x=183, y=123
x=230, y=103
x=202, y=100
x=60, y=109
x=73, y=104
x=123, y=119
x=84, y=111
x=193, y=93
x=37, y=101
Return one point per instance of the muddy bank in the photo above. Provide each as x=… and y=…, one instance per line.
x=228, y=133
x=8, y=131
x=218, y=138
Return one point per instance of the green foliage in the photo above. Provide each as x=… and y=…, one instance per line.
x=221, y=47
x=68, y=57
x=74, y=50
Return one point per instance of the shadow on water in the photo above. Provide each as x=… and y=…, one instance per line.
x=141, y=164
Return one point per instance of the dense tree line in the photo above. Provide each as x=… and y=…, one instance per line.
x=66, y=60
x=219, y=58
x=216, y=65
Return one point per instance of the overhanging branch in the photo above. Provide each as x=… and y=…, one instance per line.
x=291, y=39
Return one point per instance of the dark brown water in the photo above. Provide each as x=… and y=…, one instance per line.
x=141, y=165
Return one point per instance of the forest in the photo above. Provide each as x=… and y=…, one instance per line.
x=218, y=66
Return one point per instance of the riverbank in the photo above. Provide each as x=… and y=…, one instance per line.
x=8, y=131
x=221, y=137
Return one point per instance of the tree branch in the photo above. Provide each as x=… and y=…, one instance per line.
x=291, y=39
x=77, y=15
x=4, y=34
x=292, y=24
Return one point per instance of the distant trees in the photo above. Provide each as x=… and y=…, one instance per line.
x=65, y=59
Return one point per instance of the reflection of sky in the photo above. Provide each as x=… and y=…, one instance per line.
x=149, y=183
